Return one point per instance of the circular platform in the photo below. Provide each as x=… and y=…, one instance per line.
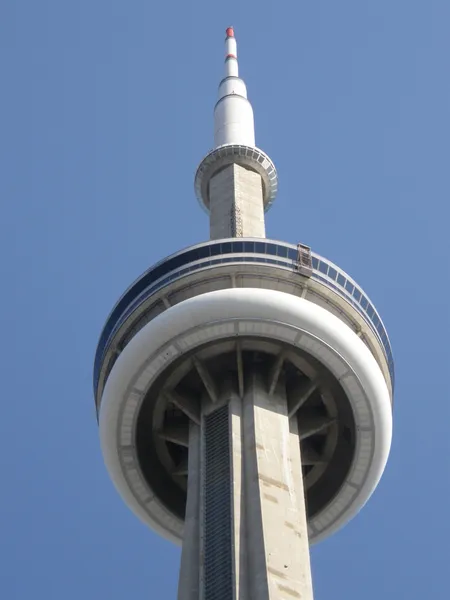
x=246, y=156
x=351, y=397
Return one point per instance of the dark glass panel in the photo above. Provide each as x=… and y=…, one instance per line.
x=323, y=267
x=189, y=256
x=203, y=252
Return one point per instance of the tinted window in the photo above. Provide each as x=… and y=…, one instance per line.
x=190, y=256
x=315, y=262
x=203, y=252
x=226, y=248
x=341, y=280
x=249, y=247
x=238, y=246
x=332, y=273
x=323, y=267
x=260, y=247
x=282, y=251
x=271, y=249
x=349, y=286
x=171, y=264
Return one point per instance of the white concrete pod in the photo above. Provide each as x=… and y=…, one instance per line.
x=246, y=312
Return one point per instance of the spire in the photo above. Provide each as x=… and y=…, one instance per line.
x=234, y=144
x=231, y=62
x=233, y=114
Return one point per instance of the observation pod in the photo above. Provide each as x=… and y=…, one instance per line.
x=244, y=382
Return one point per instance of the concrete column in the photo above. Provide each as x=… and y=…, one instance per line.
x=236, y=204
x=275, y=503
x=239, y=526
x=245, y=473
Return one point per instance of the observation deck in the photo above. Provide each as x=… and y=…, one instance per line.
x=239, y=262
x=235, y=305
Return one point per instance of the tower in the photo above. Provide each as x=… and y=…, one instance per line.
x=244, y=385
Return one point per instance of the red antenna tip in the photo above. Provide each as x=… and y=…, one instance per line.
x=230, y=32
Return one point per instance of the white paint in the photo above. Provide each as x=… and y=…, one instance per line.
x=231, y=68
x=230, y=46
x=233, y=114
x=233, y=121
x=232, y=85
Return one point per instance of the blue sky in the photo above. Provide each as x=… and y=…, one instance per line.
x=105, y=112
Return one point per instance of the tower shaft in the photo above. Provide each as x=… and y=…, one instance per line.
x=236, y=203
x=246, y=532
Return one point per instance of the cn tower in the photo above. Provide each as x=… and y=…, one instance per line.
x=244, y=385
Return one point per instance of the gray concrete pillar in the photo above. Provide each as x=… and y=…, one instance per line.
x=241, y=548
x=236, y=204
x=275, y=503
x=246, y=533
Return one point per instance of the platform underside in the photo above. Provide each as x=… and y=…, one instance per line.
x=195, y=386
